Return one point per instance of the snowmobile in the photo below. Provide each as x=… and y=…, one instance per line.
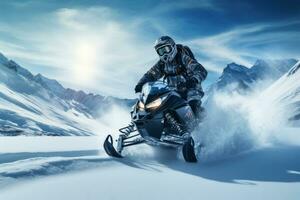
x=159, y=117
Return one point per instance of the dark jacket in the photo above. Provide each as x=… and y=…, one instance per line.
x=181, y=69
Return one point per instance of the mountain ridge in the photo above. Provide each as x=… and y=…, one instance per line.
x=241, y=78
x=35, y=105
x=90, y=100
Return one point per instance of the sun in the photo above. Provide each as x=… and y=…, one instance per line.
x=85, y=61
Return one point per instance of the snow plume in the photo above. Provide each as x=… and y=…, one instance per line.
x=226, y=129
x=237, y=123
x=114, y=118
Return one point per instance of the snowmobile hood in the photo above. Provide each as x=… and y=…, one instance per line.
x=153, y=90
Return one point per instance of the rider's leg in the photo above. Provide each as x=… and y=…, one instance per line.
x=194, y=98
x=196, y=106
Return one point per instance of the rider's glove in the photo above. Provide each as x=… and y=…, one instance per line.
x=191, y=82
x=138, y=88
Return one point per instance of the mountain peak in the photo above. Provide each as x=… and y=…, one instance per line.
x=39, y=75
x=3, y=59
x=51, y=84
x=261, y=62
x=235, y=67
x=294, y=69
x=272, y=68
x=243, y=78
x=277, y=63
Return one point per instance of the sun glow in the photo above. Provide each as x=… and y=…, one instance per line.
x=85, y=62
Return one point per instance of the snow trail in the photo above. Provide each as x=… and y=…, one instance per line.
x=87, y=174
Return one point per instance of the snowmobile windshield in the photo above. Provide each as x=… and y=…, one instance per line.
x=153, y=90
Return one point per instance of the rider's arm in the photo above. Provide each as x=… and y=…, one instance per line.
x=155, y=73
x=194, y=69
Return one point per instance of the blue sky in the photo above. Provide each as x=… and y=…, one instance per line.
x=105, y=46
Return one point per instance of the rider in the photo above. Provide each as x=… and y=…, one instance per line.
x=181, y=70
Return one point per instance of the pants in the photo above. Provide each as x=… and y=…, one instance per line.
x=196, y=107
x=193, y=96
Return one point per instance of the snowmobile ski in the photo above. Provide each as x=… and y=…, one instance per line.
x=188, y=151
x=109, y=148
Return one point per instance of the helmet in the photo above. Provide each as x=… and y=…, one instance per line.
x=165, y=48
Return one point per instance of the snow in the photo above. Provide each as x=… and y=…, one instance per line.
x=36, y=105
x=262, y=73
x=236, y=67
x=294, y=69
x=77, y=168
x=3, y=59
x=272, y=68
x=53, y=85
x=29, y=108
x=238, y=123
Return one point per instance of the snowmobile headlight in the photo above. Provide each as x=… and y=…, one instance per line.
x=156, y=103
x=141, y=106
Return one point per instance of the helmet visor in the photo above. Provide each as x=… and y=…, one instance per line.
x=164, y=49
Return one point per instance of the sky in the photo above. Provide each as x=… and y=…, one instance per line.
x=105, y=46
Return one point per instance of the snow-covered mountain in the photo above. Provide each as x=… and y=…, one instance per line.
x=95, y=104
x=286, y=93
x=239, y=77
x=40, y=106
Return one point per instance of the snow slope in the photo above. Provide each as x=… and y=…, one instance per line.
x=48, y=171
x=36, y=105
x=27, y=108
x=286, y=93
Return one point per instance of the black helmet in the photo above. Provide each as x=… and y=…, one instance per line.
x=166, y=48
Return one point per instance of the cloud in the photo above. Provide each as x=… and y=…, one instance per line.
x=98, y=51
x=239, y=44
x=82, y=19
x=101, y=49
x=166, y=6
x=23, y=4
